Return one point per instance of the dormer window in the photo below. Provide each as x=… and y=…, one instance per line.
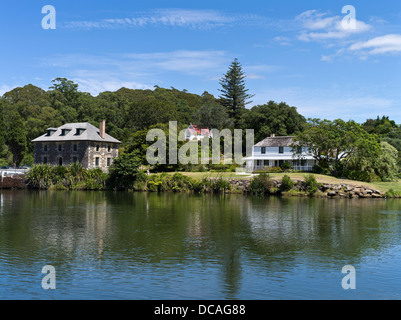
x=64, y=132
x=79, y=131
x=50, y=132
x=281, y=150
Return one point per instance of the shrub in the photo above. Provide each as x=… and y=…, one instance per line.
x=286, y=166
x=220, y=185
x=311, y=184
x=286, y=183
x=261, y=184
x=39, y=177
x=392, y=194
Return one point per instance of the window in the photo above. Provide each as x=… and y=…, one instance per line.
x=74, y=159
x=45, y=148
x=79, y=131
x=281, y=150
x=44, y=160
x=108, y=148
x=75, y=147
x=108, y=162
x=60, y=147
x=97, y=148
x=263, y=150
x=64, y=132
x=50, y=132
x=97, y=161
x=60, y=161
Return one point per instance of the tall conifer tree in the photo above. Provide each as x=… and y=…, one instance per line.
x=234, y=93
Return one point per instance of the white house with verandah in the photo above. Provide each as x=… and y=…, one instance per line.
x=275, y=151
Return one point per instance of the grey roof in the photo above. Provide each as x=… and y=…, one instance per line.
x=91, y=133
x=276, y=142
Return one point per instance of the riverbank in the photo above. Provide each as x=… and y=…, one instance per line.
x=326, y=187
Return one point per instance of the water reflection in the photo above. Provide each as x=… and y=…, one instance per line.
x=162, y=246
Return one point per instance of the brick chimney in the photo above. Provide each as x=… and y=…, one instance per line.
x=102, y=129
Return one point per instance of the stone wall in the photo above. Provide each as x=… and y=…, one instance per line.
x=85, y=152
x=326, y=190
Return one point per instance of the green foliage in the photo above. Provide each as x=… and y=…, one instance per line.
x=16, y=137
x=286, y=183
x=380, y=126
x=274, y=118
x=392, y=194
x=381, y=168
x=311, y=185
x=261, y=184
x=212, y=115
x=234, y=94
x=124, y=171
x=337, y=144
x=73, y=177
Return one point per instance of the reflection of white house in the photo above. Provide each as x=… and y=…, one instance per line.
x=195, y=133
x=275, y=151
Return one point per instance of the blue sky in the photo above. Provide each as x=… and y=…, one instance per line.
x=292, y=51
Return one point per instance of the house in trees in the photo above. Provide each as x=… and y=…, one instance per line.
x=275, y=151
x=195, y=133
x=76, y=142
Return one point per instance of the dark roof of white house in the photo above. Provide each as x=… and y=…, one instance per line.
x=88, y=132
x=276, y=142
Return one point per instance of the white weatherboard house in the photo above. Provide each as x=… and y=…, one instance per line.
x=274, y=151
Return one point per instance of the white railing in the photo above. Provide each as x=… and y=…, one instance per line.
x=12, y=172
x=298, y=168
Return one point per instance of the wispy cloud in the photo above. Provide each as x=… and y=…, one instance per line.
x=195, y=19
x=5, y=88
x=319, y=26
x=390, y=43
x=97, y=73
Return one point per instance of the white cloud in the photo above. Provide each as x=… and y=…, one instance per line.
x=5, y=88
x=317, y=26
x=196, y=19
x=390, y=43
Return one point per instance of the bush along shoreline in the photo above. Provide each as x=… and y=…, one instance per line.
x=75, y=177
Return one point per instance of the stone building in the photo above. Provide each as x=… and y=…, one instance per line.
x=76, y=142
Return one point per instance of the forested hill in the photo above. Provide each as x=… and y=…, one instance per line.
x=26, y=112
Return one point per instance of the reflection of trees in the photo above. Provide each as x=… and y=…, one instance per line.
x=162, y=231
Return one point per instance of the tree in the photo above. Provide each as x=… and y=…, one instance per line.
x=381, y=168
x=336, y=144
x=213, y=116
x=380, y=126
x=16, y=138
x=3, y=135
x=124, y=171
x=64, y=97
x=274, y=118
x=234, y=93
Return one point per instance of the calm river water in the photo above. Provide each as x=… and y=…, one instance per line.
x=106, y=245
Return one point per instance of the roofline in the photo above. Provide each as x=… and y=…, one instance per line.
x=35, y=140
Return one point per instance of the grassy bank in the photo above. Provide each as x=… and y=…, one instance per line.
x=324, y=179
x=74, y=177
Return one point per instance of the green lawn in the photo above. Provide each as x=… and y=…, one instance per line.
x=381, y=186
